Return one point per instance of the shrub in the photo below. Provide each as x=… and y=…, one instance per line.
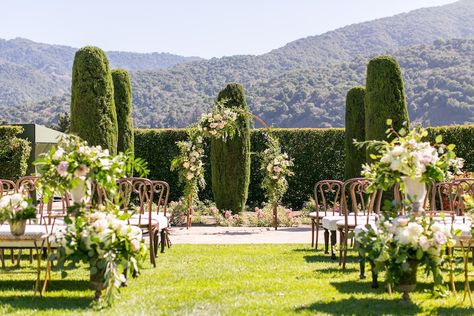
x=384, y=97
x=14, y=153
x=318, y=154
x=355, y=129
x=93, y=115
x=230, y=159
x=123, y=107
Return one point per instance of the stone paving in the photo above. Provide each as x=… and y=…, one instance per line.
x=242, y=235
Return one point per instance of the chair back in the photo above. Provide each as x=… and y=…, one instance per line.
x=327, y=196
x=363, y=204
x=142, y=192
x=7, y=187
x=161, y=191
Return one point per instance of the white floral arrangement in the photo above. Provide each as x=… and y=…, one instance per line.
x=74, y=161
x=189, y=163
x=15, y=207
x=409, y=154
x=276, y=166
x=392, y=242
x=221, y=123
x=102, y=238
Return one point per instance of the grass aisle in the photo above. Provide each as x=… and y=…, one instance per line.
x=228, y=280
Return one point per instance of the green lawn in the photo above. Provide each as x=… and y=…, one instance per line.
x=228, y=280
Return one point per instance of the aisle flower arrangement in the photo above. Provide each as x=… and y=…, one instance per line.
x=408, y=154
x=16, y=210
x=276, y=166
x=393, y=243
x=74, y=162
x=102, y=238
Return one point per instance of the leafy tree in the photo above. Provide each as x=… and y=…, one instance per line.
x=230, y=159
x=93, y=115
x=355, y=129
x=123, y=106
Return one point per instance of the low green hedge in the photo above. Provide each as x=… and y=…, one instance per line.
x=318, y=154
x=14, y=153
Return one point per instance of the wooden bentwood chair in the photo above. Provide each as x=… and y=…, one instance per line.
x=327, y=194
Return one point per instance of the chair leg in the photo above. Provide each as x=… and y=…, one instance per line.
x=361, y=266
x=2, y=253
x=341, y=247
x=326, y=241
x=312, y=233
x=156, y=241
x=163, y=240
x=152, y=250
x=375, y=281
x=333, y=243
x=344, y=252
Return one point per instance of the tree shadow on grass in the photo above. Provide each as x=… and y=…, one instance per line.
x=52, y=285
x=46, y=303
x=367, y=306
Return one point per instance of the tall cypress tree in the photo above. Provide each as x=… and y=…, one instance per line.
x=384, y=97
x=355, y=129
x=123, y=106
x=93, y=115
x=230, y=160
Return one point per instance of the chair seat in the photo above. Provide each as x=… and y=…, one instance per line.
x=159, y=220
x=351, y=221
x=329, y=222
x=320, y=214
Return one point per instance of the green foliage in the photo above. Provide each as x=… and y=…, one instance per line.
x=384, y=98
x=93, y=115
x=317, y=154
x=123, y=106
x=14, y=153
x=355, y=129
x=230, y=159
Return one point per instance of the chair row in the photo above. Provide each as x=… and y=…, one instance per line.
x=144, y=199
x=342, y=206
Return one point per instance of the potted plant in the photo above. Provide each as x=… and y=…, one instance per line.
x=16, y=209
x=101, y=238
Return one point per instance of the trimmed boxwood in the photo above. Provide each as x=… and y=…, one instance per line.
x=14, y=153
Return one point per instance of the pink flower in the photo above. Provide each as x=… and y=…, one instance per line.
x=236, y=216
x=82, y=171
x=62, y=168
x=259, y=213
x=135, y=244
x=227, y=214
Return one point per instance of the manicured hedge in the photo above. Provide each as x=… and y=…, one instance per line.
x=14, y=153
x=317, y=153
x=312, y=161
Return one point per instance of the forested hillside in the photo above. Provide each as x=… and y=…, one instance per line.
x=302, y=84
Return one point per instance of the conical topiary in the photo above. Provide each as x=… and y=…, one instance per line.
x=355, y=129
x=230, y=160
x=93, y=115
x=123, y=106
x=384, y=98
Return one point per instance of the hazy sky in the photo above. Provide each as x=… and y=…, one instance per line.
x=206, y=28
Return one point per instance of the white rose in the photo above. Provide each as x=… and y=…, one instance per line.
x=189, y=176
x=186, y=165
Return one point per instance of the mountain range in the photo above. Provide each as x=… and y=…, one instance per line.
x=302, y=84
